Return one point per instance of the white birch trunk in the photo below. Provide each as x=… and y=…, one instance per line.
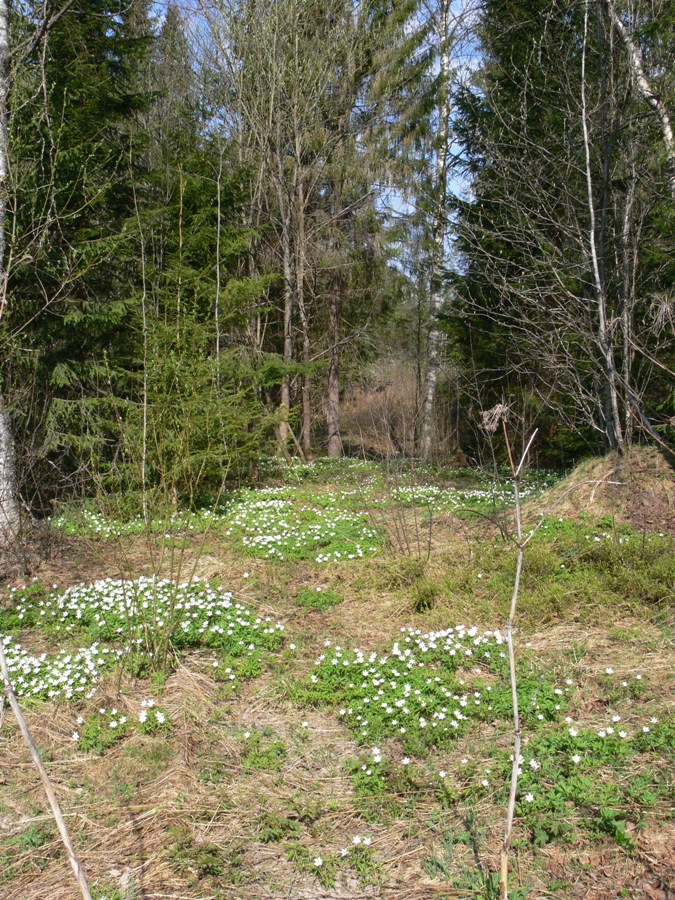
x=613, y=429
x=436, y=338
x=10, y=509
x=645, y=87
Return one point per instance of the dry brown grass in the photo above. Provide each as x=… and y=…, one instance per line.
x=638, y=488
x=125, y=834
x=128, y=808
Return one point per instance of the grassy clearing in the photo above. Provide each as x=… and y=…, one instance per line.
x=343, y=724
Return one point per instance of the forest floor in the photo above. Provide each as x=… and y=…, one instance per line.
x=323, y=709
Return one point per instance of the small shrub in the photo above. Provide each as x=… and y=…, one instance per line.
x=424, y=595
x=274, y=827
x=264, y=757
x=202, y=859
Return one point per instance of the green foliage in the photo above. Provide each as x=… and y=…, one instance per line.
x=102, y=730
x=265, y=756
x=586, y=773
x=106, y=892
x=324, y=867
x=274, y=827
x=424, y=595
x=420, y=691
x=202, y=859
x=269, y=526
x=124, y=260
x=318, y=598
x=385, y=792
x=34, y=837
x=152, y=619
x=154, y=720
x=362, y=861
x=240, y=668
x=574, y=570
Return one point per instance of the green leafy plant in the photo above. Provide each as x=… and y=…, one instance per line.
x=154, y=720
x=102, y=730
x=266, y=756
x=318, y=598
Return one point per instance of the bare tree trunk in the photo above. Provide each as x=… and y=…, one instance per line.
x=333, y=405
x=629, y=264
x=10, y=517
x=216, y=309
x=283, y=430
x=436, y=338
x=646, y=89
x=306, y=428
x=613, y=427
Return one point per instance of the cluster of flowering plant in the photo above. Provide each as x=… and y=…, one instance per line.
x=100, y=731
x=67, y=675
x=130, y=614
x=95, y=524
x=117, y=610
x=326, y=864
x=427, y=688
x=442, y=498
x=273, y=528
x=153, y=719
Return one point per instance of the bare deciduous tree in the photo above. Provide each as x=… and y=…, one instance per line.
x=10, y=517
x=557, y=237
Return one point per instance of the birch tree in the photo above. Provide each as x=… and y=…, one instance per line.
x=444, y=24
x=648, y=90
x=10, y=517
x=565, y=240
x=422, y=69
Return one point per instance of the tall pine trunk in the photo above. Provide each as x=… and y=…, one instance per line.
x=9, y=494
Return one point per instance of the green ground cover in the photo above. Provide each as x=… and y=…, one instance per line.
x=345, y=710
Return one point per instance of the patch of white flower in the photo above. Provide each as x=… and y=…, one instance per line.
x=119, y=610
x=64, y=676
x=272, y=528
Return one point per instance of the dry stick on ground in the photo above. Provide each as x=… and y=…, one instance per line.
x=506, y=842
x=49, y=790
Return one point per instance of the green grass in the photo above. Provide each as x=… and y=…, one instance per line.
x=575, y=571
x=391, y=701
x=318, y=598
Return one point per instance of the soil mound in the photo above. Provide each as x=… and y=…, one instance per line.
x=637, y=488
